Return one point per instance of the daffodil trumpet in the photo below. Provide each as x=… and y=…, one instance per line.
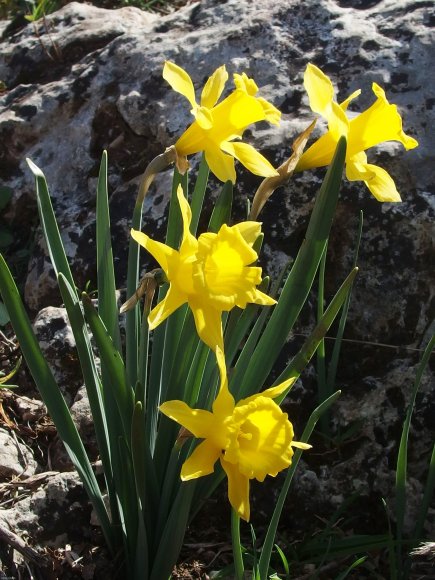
x=379, y=123
x=252, y=438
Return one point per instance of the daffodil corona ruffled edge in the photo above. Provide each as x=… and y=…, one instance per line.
x=218, y=127
x=252, y=438
x=212, y=274
x=380, y=122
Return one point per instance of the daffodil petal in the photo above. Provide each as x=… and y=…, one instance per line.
x=203, y=117
x=319, y=154
x=214, y=87
x=249, y=231
x=160, y=252
x=246, y=84
x=173, y=300
x=180, y=81
x=321, y=96
x=221, y=164
x=338, y=123
x=319, y=89
x=201, y=461
x=208, y=323
x=301, y=445
x=250, y=158
x=379, y=182
x=189, y=243
x=191, y=141
x=344, y=105
x=262, y=298
x=198, y=421
x=224, y=403
x=274, y=392
x=380, y=122
x=271, y=113
x=238, y=489
x=235, y=113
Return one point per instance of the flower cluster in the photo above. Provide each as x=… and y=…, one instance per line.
x=212, y=274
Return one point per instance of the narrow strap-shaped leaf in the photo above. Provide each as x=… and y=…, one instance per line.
x=332, y=368
x=52, y=397
x=166, y=337
x=303, y=357
x=128, y=499
x=321, y=363
x=402, y=456
x=141, y=564
x=173, y=390
x=427, y=497
x=222, y=210
x=236, y=331
x=300, y=279
x=49, y=226
x=92, y=382
x=198, y=194
x=107, y=305
x=354, y=565
x=266, y=551
x=115, y=375
x=144, y=471
x=237, y=546
x=132, y=317
x=172, y=538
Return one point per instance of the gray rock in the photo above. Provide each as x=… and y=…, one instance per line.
x=82, y=416
x=94, y=81
x=15, y=458
x=54, y=334
x=110, y=93
x=55, y=514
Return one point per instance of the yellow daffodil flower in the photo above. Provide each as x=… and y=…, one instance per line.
x=212, y=274
x=217, y=127
x=252, y=438
x=380, y=122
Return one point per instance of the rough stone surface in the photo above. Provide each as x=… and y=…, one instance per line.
x=15, y=458
x=53, y=330
x=93, y=81
x=55, y=514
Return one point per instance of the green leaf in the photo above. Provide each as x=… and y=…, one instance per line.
x=52, y=397
x=300, y=279
x=49, y=226
x=354, y=565
x=402, y=460
x=5, y=378
x=4, y=315
x=269, y=541
x=146, y=482
x=92, y=384
x=114, y=370
x=198, y=194
x=5, y=196
x=107, y=304
x=170, y=543
x=300, y=361
x=222, y=210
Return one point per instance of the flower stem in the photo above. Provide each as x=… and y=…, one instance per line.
x=237, y=548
